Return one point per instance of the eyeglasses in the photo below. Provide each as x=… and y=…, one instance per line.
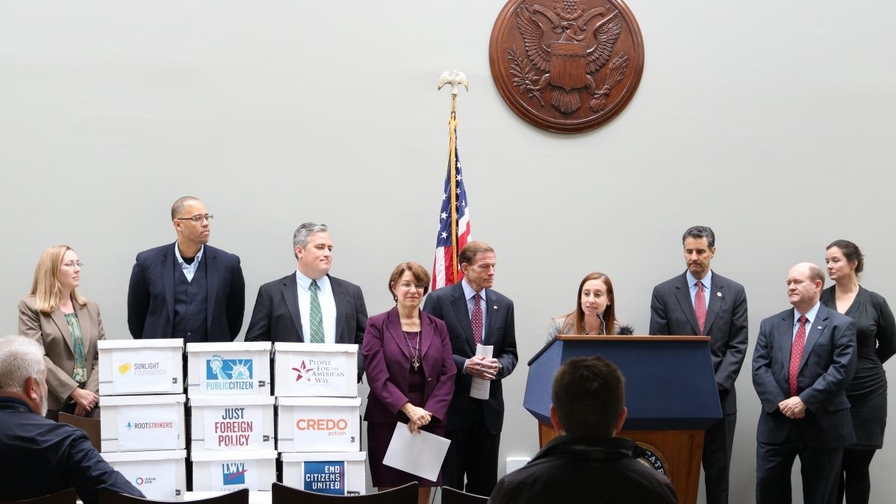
x=72, y=264
x=197, y=218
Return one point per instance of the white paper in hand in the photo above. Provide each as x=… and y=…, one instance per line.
x=479, y=388
x=420, y=454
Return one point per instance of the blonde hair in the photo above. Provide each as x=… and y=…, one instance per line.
x=46, y=288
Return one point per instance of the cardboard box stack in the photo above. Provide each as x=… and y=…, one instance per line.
x=318, y=417
x=231, y=411
x=142, y=413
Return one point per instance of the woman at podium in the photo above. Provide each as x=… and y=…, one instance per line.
x=595, y=311
x=68, y=326
x=876, y=342
x=410, y=371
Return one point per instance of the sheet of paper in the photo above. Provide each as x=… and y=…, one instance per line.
x=479, y=388
x=420, y=454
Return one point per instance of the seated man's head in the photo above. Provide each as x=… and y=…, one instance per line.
x=23, y=373
x=588, y=398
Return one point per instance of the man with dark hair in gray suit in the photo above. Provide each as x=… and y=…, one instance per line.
x=309, y=305
x=701, y=302
x=804, y=358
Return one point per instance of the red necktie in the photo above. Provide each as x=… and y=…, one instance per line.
x=796, y=353
x=700, y=306
x=476, y=319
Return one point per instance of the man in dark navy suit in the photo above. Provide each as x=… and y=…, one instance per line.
x=701, y=302
x=187, y=289
x=40, y=456
x=474, y=425
x=804, y=359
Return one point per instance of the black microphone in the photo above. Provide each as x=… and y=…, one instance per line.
x=603, y=324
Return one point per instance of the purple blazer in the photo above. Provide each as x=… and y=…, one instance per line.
x=387, y=358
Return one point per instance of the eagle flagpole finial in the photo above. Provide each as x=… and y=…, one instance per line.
x=455, y=79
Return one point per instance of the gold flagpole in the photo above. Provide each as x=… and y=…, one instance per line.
x=455, y=79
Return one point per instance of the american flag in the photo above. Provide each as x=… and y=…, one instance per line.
x=454, y=218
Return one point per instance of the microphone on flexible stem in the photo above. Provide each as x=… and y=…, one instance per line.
x=603, y=324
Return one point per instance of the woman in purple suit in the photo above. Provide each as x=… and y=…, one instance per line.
x=410, y=371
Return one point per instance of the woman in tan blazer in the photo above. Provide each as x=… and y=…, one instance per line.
x=68, y=326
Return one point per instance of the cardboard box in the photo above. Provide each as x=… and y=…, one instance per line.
x=142, y=423
x=222, y=471
x=315, y=370
x=318, y=424
x=232, y=423
x=326, y=473
x=160, y=475
x=229, y=368
x=149, y=366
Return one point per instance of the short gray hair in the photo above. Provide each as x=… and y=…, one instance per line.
x=303, y=233
x=20, y=358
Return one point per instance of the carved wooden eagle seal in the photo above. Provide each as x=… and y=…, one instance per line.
x=566, y=65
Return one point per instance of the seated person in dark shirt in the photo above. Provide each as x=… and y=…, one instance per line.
x=40, y=456
x=586, y=463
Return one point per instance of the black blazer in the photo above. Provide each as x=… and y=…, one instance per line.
x=450, y=305
x=826, y=368
x=151, y=294
x=672, y=313
x=276, y=314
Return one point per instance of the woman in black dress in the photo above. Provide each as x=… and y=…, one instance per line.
x=867, y=393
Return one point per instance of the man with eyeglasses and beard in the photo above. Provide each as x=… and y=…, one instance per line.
x=40, y=456
x=187, y=289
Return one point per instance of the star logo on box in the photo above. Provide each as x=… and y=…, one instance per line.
x=124, y=368
x=303, y=371
x=234, y=473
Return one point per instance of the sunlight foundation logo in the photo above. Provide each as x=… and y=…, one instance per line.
x=320, y=371
x=228, y=374
x=142, y=369
x=325, y=477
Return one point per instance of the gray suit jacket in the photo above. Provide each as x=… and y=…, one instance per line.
x=52, y=332
x=826, y=368
x=672, y=313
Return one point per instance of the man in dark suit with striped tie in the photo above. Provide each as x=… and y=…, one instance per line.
x=309, y=305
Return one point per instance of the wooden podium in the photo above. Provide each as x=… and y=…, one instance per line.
x=670, y=393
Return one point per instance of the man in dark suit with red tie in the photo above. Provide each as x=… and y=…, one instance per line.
x=474, y=314
x=804, y=359
x=701, y=302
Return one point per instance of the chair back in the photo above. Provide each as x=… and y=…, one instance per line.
x=89, y=425
x=67, y=496
x=111, y=497
x=405, y=494
x=453, y=496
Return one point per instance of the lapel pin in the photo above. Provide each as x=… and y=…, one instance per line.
x=719, y=294
x=819, y=328
x=494, y=307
